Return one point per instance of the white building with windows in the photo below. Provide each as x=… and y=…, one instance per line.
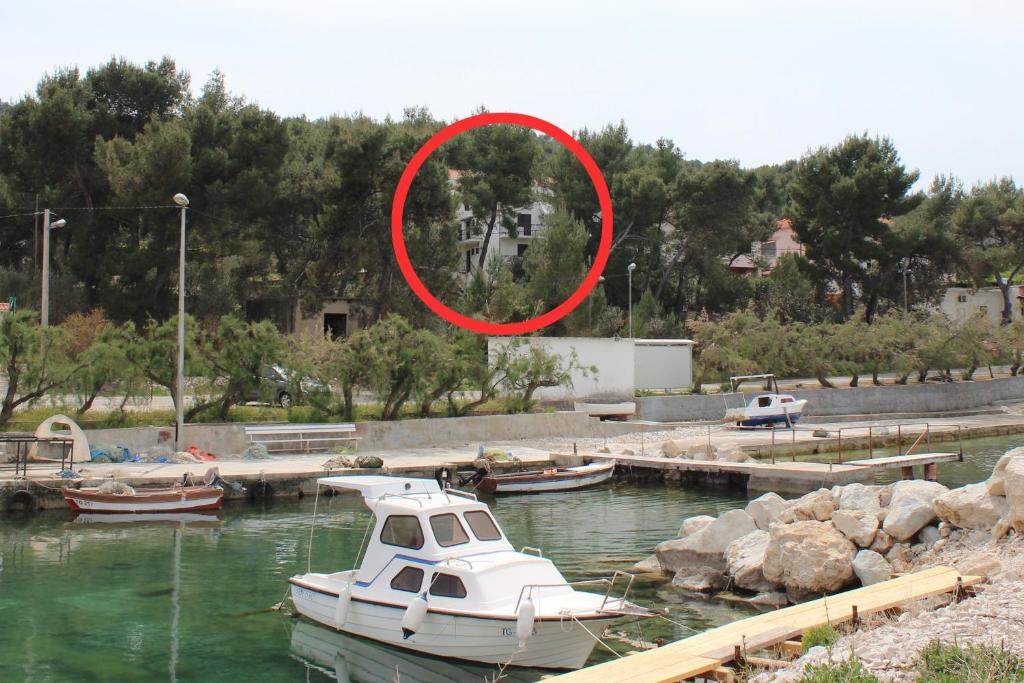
x=507, y=242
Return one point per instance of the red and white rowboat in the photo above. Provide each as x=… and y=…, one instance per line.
x=176, y=499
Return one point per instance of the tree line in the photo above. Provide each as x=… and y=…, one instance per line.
x=290, y=209
x=407, y=371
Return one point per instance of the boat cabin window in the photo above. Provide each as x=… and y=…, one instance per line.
x=483, y=526
x=403, y=531
x=447, y=530
x=787, y=400
x=764, y=401
x=447, y=586
x=409, y=579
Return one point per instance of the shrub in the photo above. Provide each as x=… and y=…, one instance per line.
x=850, y=671
x=825, y=635
x=950, y=663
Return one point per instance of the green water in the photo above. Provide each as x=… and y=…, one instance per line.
x=151, y=602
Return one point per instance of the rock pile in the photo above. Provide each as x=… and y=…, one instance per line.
x=721, y=453
x=833, y=538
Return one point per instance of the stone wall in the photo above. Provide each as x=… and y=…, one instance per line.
x=870, y=400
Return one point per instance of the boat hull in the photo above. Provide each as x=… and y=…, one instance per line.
x=769, y=420
x=575, y=478
x=555, y=644
x=190, y=499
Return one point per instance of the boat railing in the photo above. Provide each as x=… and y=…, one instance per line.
x=530, y=586
x=532, y=551
x=611, y=584
x=404, y=496
x=464, y=494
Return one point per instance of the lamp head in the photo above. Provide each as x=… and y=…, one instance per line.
x=58, y=224
x=180, y=199
x=631, y=267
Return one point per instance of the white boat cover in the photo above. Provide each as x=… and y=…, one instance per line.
x=374, y=486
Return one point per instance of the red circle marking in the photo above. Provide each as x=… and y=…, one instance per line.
x=481, y=326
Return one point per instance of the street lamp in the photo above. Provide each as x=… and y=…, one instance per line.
x=44, y=308
x=179, y=389
x=629, y=276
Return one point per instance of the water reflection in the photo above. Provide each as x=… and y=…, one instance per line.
x=349, y=659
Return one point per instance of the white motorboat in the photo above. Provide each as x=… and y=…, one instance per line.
x=769, y=409
x=438, y=576
x=548, y=480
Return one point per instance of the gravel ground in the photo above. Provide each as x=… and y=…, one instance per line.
x=995, y=617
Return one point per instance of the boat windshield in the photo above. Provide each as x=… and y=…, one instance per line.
x=403, y=531
x=447, y=530
x=483, y=526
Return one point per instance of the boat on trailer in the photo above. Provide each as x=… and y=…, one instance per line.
x=548, y=480
x=768, y=409
x=438, y=576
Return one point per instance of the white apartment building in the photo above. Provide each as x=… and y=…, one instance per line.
x=505, y=244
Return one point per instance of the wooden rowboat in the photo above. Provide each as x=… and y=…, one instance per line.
x=176, y=499
x=551, y=479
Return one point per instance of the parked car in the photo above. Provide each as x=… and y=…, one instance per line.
x=274, y=388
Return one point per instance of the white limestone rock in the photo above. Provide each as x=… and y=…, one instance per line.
x=870, y=567
x=744, y=559
x=707, y=546
x=809, y=557
x=1013, y=484
x=996, y=484
x=766, y=509
x=672, y=449
x=692, y=525
x=817, y=505
x=911, y=507
x=882, y=543
x=648, y=565
x=700, y=451
x=929, y=536
x=859, y=497
x=856, y=524
x=971, y=507
x=700, y=579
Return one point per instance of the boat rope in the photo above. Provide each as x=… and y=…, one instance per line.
x=312, y=527
x=676, y=623
x=366, y=534
x=597, y=639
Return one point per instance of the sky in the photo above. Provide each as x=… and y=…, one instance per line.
x=758, y=82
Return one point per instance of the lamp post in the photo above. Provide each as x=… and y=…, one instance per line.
x=629, y=277
x=179, y=389
x=44, y=306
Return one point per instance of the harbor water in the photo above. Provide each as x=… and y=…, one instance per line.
x=99, y=599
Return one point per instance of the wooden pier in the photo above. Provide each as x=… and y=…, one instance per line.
x=795, y=477
x=706, y=654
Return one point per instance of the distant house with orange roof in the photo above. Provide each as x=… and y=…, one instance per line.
x=764, y=255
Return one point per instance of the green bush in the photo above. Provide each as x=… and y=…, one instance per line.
x=950, y=663
x=825, y=635
x=850, y=671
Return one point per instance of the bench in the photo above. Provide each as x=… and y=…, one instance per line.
x=301, y=438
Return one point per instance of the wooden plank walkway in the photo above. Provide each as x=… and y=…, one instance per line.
x=701, y=653
x=905, y=460
x=784, y=477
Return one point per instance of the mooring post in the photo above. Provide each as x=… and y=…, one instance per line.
x=899, y=439
x=856, y=617
x=871, y=447
x=773, y=444
x=840, y=446
x=737, y=655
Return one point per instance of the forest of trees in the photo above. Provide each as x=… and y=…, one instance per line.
x=289, y=209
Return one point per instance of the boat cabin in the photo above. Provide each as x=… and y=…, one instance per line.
x=444, y=543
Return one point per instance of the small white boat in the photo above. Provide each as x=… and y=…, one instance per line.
x=769, y=409
x=439, y=577
x=548, y=480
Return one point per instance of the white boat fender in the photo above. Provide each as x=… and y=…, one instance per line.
x=414, y=615
x=524, y=621
x=341, y=607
